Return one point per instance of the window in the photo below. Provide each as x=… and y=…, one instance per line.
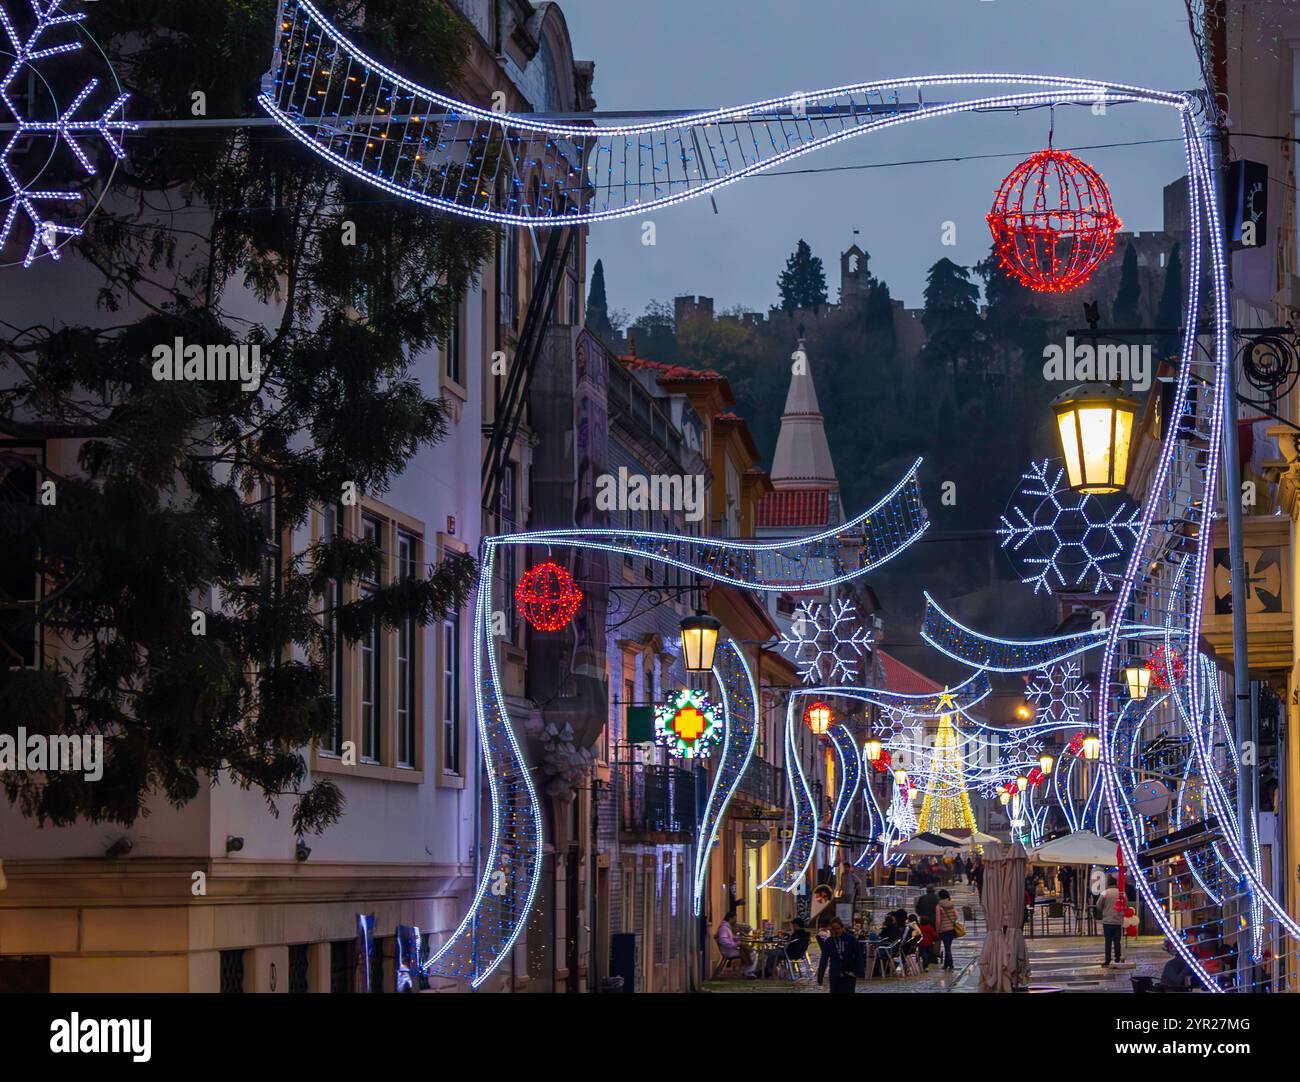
x=376, y=679
x=333, y=641
x=299, y=962
x=343, y=960
x=371, y=660
x=507, y=272
x=232, y=971
x=407, y=647
x=455, y=346
x=451, y=694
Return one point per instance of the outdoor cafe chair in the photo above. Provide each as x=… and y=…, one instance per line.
x=1056, y=911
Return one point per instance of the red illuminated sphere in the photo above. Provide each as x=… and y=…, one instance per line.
x=547, y=596
x=1053, y=222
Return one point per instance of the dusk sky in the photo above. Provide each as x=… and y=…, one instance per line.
x=726, y=52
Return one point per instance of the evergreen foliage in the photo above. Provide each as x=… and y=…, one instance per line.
x=185, y=494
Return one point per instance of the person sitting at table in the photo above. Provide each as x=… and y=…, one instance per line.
x=730, y=947
x=795, y=948
x=911, y=943
x=891, y=934
x=1176, y=975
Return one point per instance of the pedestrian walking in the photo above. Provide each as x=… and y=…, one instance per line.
x=946, y=925
x=970, y=871
x=842, y=953
x=1110, y=911
x=927, y=903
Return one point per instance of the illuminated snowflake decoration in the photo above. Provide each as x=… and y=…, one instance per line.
x=1063, y=538
x=826, y=642
x=1018, y=745
x=62, y=128
x=1058, y=693
x=895, y=725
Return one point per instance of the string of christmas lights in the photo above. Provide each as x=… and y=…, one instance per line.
x=815, y=562
x=803, y=836
x=849, y=775
x=739, y=697
x=511, y=168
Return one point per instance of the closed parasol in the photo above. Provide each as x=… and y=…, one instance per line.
x=1004, y=961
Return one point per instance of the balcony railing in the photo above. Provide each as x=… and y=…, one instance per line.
x=654, y=799
x=763, y=782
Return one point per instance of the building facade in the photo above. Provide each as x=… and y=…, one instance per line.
x=98, y=908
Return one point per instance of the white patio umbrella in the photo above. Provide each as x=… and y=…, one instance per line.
x=976, y=837
x=919, y=847
x=1004, y=961
x=1081, y=847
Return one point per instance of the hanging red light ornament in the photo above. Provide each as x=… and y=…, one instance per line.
x=1166, y=667
x=1053, y=222
x=883, y=763
x=547, y=596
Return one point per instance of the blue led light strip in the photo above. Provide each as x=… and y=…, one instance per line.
x=512, y=168
x=850, y=772
x=803, y=837
x=966, y=695
x=511, y=868
x=949, y=636
x=815, y=562
x=739, y=738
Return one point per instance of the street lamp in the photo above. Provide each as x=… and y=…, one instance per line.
x=1095, y=424
x=1004, y=797
x=818, y=717
x=1138, y=679
x=1092, y=748
x=699, y=640
x=900, y=777
x=1045, y=763
x=1022, y=783
x=872, y=749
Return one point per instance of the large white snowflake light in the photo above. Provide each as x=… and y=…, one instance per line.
x=62, y=127
x=1064, y=538
x=1019, y=745
x=1058, y=693
x=896, y=726
x=826, y=642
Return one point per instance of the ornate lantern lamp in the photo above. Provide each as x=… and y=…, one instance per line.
x=699, y=641
x=1095, y=424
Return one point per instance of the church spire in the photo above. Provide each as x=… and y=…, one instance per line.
x=803, y=457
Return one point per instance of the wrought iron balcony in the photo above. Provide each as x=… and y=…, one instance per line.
x=763, y=782
x=655, y=799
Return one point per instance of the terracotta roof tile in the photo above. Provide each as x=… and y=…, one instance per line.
x=794, y=507
x=904, y=679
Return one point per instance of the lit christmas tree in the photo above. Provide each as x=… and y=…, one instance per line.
x=946, y=805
